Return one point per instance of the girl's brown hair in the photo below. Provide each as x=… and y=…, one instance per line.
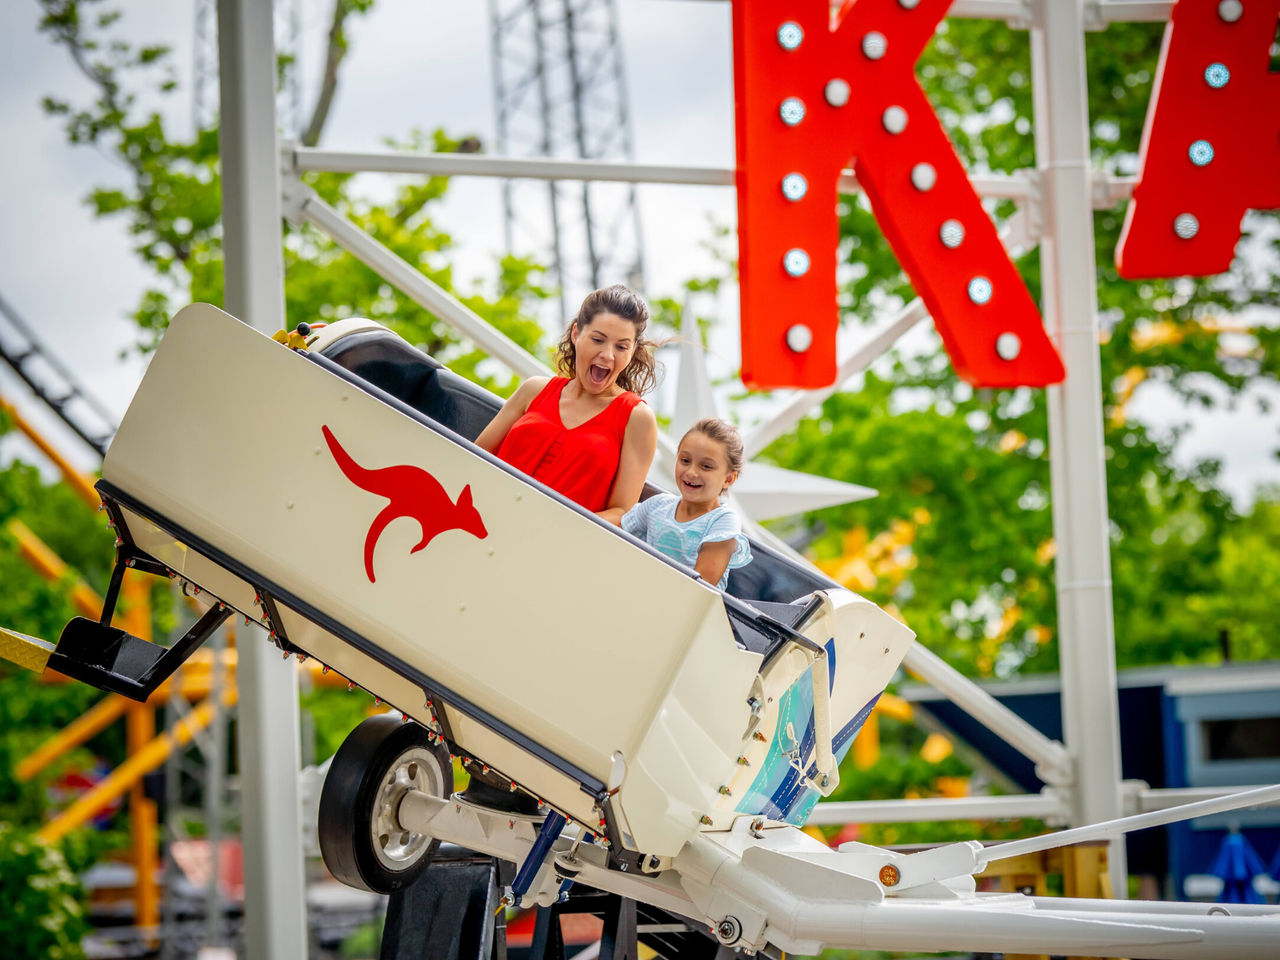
x=641, y=374
x=725, y=434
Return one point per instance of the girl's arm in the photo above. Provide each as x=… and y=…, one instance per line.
x=491, y=437
x=638, y=446
x=713, y=559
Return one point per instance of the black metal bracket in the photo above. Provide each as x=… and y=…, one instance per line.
x=619, y=938
x=111, y=659
x=275, y=624
x=620, y=858
x=436, y=705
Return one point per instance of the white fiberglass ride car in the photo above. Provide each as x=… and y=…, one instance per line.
x=333, y=494
x=634, y=729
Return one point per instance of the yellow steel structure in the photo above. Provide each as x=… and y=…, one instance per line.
x=77, y=481
x=128, y=775
x=52, y=567
x=195, y=682
x=139, y=718
x=89, y=724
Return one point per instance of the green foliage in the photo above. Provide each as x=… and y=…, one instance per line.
x=336, y=713
x=1247, y=571
x=901, y=768
x=43, y=913
x=366, y=941
x=32, y=711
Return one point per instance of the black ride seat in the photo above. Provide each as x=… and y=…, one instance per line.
x=770, y=582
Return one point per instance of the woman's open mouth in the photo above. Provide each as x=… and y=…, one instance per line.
x=599, y=376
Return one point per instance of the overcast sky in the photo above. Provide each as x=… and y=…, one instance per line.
x=418, y=64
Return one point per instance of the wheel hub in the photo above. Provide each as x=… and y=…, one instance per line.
x=396, y=847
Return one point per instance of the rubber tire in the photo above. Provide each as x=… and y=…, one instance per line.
x=347, y=799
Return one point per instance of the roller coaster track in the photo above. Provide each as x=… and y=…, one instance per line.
x=52, y=382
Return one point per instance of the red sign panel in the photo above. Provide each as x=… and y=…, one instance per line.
x=1211, y=147
x=812, y=92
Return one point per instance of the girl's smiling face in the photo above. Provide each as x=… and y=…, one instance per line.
x=702, y=471
x=602, y=349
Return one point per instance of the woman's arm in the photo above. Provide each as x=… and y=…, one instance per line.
x=713, y=560
x=638, y=445
x=491, y=437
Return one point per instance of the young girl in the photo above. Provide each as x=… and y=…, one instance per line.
x=693, y=527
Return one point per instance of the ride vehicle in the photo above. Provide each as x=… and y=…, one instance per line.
x=637, y=730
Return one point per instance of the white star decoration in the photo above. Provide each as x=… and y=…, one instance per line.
x=763, y=491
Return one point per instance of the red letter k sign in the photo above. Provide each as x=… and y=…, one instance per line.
x=811, y=95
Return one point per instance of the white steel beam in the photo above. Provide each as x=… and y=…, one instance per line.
x=302, y=204
x=1134, y=11
x=1042, y=806
x=1257, y=797
x=1013, y=12
x=1090, y=705
x=1152, y=910
x=1163, y=798
x=304, y=159
x=271, y=814
x=297, y=159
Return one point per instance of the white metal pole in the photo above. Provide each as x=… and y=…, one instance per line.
x=1047, y=805
x=271, y=832
x=306, y=206
x=1006, y=186
x=1090, y=712
x=1257, y=797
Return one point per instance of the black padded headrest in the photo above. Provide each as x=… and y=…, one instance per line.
x=418, y=379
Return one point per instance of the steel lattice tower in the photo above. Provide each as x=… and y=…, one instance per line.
x=204, y=86
x=560, y=91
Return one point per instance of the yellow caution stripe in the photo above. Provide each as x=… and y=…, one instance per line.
x=30, y=652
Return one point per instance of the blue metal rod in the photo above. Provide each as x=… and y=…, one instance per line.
x=550, y=831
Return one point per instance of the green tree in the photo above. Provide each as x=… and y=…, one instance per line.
x=43, y=916
x=1248, y=571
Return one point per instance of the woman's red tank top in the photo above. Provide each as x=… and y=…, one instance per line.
x=580, y=463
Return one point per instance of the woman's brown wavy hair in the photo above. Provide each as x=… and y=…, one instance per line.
x=641, y=374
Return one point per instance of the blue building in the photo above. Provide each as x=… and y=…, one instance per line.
x=1202, y=726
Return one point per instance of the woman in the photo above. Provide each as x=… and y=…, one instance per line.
x=587, y=433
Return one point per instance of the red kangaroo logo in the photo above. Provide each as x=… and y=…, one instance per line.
x=412, y=493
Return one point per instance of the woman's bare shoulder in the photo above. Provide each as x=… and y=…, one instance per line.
x=533, y=384
x=642, y=422
x=529, y=389
x=643, y=415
